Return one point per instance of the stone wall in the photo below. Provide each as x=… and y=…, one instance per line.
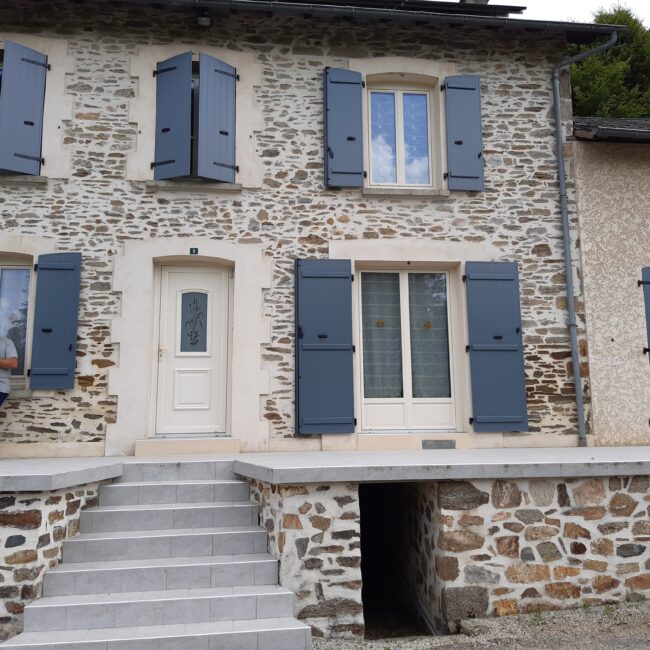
x=314, y=531
x=33, y=526
x=98, y=207
x=508, y=547
x=473, y=548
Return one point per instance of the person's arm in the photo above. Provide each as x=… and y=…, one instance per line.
x=10, y=363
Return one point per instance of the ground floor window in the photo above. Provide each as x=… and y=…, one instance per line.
x=15, y=283
x=406, y=367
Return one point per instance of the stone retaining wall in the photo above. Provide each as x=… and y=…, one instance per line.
x=474, y=548
x=314, y=530
x=33, y=526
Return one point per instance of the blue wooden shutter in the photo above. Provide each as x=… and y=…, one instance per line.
x=464, y=133
x=54, y=344
x=21, y=109
x=645, y=275
x=495, y=347
x=343, y=128
x=173, y=117
x=324, y=384
x=216, y=132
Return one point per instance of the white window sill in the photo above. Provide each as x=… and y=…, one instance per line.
x=22, y=179
x=191, y=186
x=405, y=191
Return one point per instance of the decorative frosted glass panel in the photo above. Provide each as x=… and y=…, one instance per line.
x=194, y=313
x=416, y=139
x=382, y=335
x=383, y=137
x=429, y=334
x=14, y=297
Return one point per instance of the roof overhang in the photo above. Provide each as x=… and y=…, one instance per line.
x=396, y=11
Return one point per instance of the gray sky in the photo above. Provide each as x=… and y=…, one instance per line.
x=577, y=10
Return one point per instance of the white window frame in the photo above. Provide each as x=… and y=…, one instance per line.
x=20, y=383
x=407, y=400
x=399, y=90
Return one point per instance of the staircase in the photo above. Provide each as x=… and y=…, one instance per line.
x=172, y=558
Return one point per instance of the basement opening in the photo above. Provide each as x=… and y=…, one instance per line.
x=389, y=561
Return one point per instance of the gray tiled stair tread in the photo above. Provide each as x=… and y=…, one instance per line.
x=148, y=507
x=107, y=565
x=166, y=532
x=170, y=594
x=135, y=634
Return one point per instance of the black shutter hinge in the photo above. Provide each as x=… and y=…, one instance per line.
x=363, y=84
x=355, y=422
x=162, y=162
x=467, y=348
x=640, y=283
x=26, y=157
x=354, y=349
x=29, y=372
x=443, y=87
x=300, y=332
x=445, y=175
x=646, y=350
x=365, y=174
x=170, y=69
x=218, y=164
x=35, y=267
x=465, y=278
x=471, y=420
x=233, y=75
x=47, y=66
x=352, y=277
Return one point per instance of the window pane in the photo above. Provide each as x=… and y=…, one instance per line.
x=416, y=139
x=14, y=295
x=194, y=312
x=429, y=334
x=382, y=335
x=383, y=138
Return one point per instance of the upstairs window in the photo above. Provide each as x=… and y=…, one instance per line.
x=195, y=119
x=22, y=96
x=400, y=137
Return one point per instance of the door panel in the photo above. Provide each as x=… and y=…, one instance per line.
x=192, y=358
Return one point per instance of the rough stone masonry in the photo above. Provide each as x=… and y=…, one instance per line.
x=473, y=548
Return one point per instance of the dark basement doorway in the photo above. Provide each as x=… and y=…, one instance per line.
x=387, y=605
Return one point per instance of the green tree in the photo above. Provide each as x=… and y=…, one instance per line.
x=617, y=82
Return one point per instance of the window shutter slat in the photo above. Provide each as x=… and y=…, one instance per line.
x=54, y=343
x=343, y=128
x=216, y=133
x=324, y=382
x=22, y=100
x=173, y=117
x=464, y=133
x=645, y=275
x=495, y=347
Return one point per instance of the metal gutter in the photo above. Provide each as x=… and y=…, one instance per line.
x=564, y=211
x=397, y=15
x=609, y=134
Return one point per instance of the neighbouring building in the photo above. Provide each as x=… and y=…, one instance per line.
x=242, y=226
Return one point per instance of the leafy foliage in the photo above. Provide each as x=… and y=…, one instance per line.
x=615, y=83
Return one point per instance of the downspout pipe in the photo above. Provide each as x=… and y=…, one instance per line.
x=566, y=234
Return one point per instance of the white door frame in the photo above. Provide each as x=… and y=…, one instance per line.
x=189, y=265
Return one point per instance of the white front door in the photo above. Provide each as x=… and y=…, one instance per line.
x=192, y=354
x=406, y=374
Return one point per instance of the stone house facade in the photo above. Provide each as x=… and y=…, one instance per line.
x=410, y=226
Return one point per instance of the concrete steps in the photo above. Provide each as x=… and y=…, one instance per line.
x=173, y=557
x=259, y=634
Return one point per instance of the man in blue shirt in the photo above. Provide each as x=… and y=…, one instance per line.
x=8, y=361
